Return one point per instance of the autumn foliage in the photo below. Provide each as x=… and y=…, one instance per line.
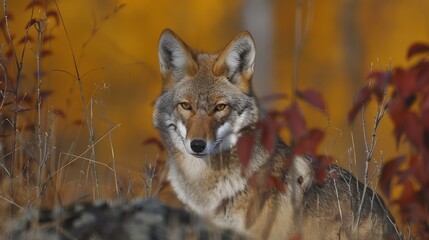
x=408, y=108
x=31, y=160
x=304, y=140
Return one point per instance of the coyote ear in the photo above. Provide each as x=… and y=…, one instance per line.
x=236, y=60
x=175, y=58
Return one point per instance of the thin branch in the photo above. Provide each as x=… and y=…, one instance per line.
x=97, y=26
x=370, y=147
x=40, y=27
x=68, y=40
x=83, y=153
x=114, y=165
x=76, y=157
x=300, y=38
x=11, y=202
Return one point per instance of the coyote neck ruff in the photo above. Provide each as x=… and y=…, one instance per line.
x=206, y=103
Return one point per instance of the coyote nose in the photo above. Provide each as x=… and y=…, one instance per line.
x=198, y=146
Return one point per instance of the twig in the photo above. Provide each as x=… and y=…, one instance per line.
x=83, y=153
x=339, y=206
x=96, y=28
x=300, y=39
x=114, y=165
x=40, y=27
x=76, y=157
x=5, y=168
x=11, y=202
x=370, y=147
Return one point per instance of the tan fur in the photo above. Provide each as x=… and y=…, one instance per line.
x=200, y=135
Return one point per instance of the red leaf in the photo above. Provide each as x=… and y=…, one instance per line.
x=415, y=212
x=309, y=143
x=381, y=81
x=270, y=128
x=406, y=122
x=154, y=141
x=418, y=168
x=313, y=98
x=424, y=103
x=405, y=82
x=390, y=169
x=274, y=182
x=24, y=39
x=424, y=116
x=10, y=17
x=79, y=122
x=321, y=164
x=29, y=127
x=9, y=53
x=295, y=121
x=48, y=38
x=417, y=48
x=54, y=14
x=397, y=133
x=362, y=98
x=45, y=53
x=45, y=93
x=244, y=148
x=413, y=129
x=422, y=69
x=397, y=111
x=31, y=23
x=426, y=139
x=19, y=109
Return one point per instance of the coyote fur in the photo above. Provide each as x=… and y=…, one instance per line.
x=206, y=104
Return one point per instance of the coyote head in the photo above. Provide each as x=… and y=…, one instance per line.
x=206, y=98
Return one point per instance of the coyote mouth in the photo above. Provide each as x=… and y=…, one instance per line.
x=199, y=155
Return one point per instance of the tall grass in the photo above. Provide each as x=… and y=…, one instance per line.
x=35, y=171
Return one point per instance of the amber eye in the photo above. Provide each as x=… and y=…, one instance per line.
x=186, y=106
x=220, y=107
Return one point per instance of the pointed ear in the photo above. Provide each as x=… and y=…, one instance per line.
x=236, y=61
x=175, y=58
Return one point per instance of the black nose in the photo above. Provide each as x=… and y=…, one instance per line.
x=198, y=145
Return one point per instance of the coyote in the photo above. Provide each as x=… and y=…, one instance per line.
x=206, y=104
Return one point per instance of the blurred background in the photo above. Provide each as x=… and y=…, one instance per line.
x=332, y=45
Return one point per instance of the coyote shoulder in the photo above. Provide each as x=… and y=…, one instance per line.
x=206, y=103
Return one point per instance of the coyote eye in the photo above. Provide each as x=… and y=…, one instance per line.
x=220, y=107
x=186, y=106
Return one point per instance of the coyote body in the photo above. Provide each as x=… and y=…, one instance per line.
x=206, y=103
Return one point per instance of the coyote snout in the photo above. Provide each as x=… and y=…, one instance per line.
x=206, y=102
x=198, y=146
x=202, y=131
